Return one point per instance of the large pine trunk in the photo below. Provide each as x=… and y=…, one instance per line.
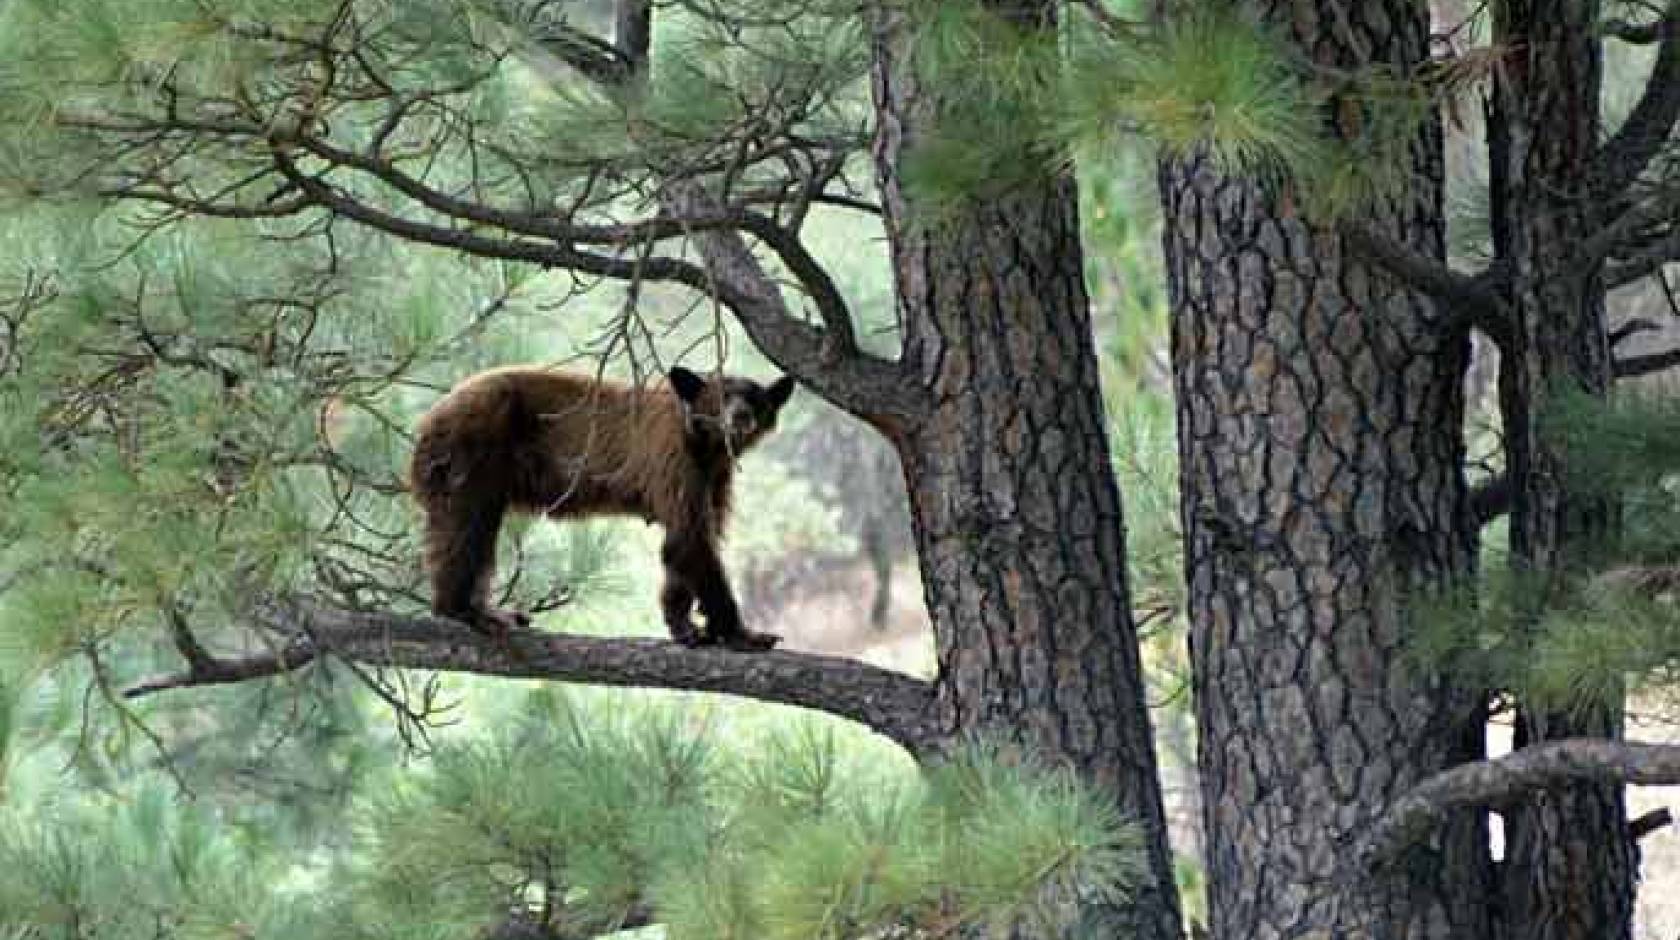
x=1016, y=512
x=1320, y=436
x=1570, y=864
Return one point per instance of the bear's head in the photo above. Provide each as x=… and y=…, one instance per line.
x=725, y=412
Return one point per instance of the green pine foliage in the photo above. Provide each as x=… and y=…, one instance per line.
x=197, y=415
x=1207, y=84
x=144, y=868
x=1608, y=624
x=581, y=819
x=579, y=814
x=573, y=817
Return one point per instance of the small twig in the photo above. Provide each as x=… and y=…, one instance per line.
x=1642, y=826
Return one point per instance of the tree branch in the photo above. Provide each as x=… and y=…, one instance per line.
x=1631, y=232
x=1472, y=300
x=546, y=225
x=1630, y=329
x=898, y=706
x=1506, y=780
x=1642, y=261
x=865, y=384
x=1642, y=826
x=831, y=304
x=1637, y=34
x=1642, y=136
x=828, y=360
x=1630, y=367
x=216, y=671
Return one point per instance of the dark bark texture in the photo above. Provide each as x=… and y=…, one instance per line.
x=1016, y=512
x=1570, y=863
x=1320, y=412
x=297, y=634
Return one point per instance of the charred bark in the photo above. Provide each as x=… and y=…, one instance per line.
x=1320, y=410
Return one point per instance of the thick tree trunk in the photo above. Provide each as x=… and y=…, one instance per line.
x=1320, y=415
x=1570, y=863
x=1016, y=513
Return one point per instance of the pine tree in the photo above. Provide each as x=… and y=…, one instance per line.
x=1319, y=408
x=1320, y=357
x=513, y=133
x=1320, y=341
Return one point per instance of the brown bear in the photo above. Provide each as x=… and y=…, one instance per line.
x=543, y=441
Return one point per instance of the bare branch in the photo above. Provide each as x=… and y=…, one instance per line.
x=593, y=58
x=898, y=706
x=197, y=657
x=534, y=224
x=1642, y=826
x=1629, y=367
x=1630, y=329
x=824, y=360
x=1505, y=781
x=1472, y=300
x=828, y=360
x=1637, y=34
x=1643, y=261
x=227, y=671
x=1642, y=136
x=1629, y=236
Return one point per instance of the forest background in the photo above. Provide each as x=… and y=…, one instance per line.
x=201, y=406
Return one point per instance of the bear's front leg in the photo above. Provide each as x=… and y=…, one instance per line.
x=692, y=563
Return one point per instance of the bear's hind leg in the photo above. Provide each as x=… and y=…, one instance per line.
x=461, y=556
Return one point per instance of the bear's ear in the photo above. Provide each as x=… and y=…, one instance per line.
x=686, y=384
x=780, y=391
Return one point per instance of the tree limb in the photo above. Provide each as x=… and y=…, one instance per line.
x=1628, y=233
x=1637, y=34
x=1642, y=136
x=1474, y=301
x=828, y=360
x=1642, y=261
x=1642, y=826
x=545, y=225
x=1504, y=781
x=1629, y=367
x=898, y=706
x=862, y=383
x=217, y=671
x=1630, y=329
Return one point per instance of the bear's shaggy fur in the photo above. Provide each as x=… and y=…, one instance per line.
x=542, y=441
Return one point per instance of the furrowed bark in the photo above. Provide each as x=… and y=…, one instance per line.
x=1570, y=864
x=1017, y=517
x=1320, y=409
